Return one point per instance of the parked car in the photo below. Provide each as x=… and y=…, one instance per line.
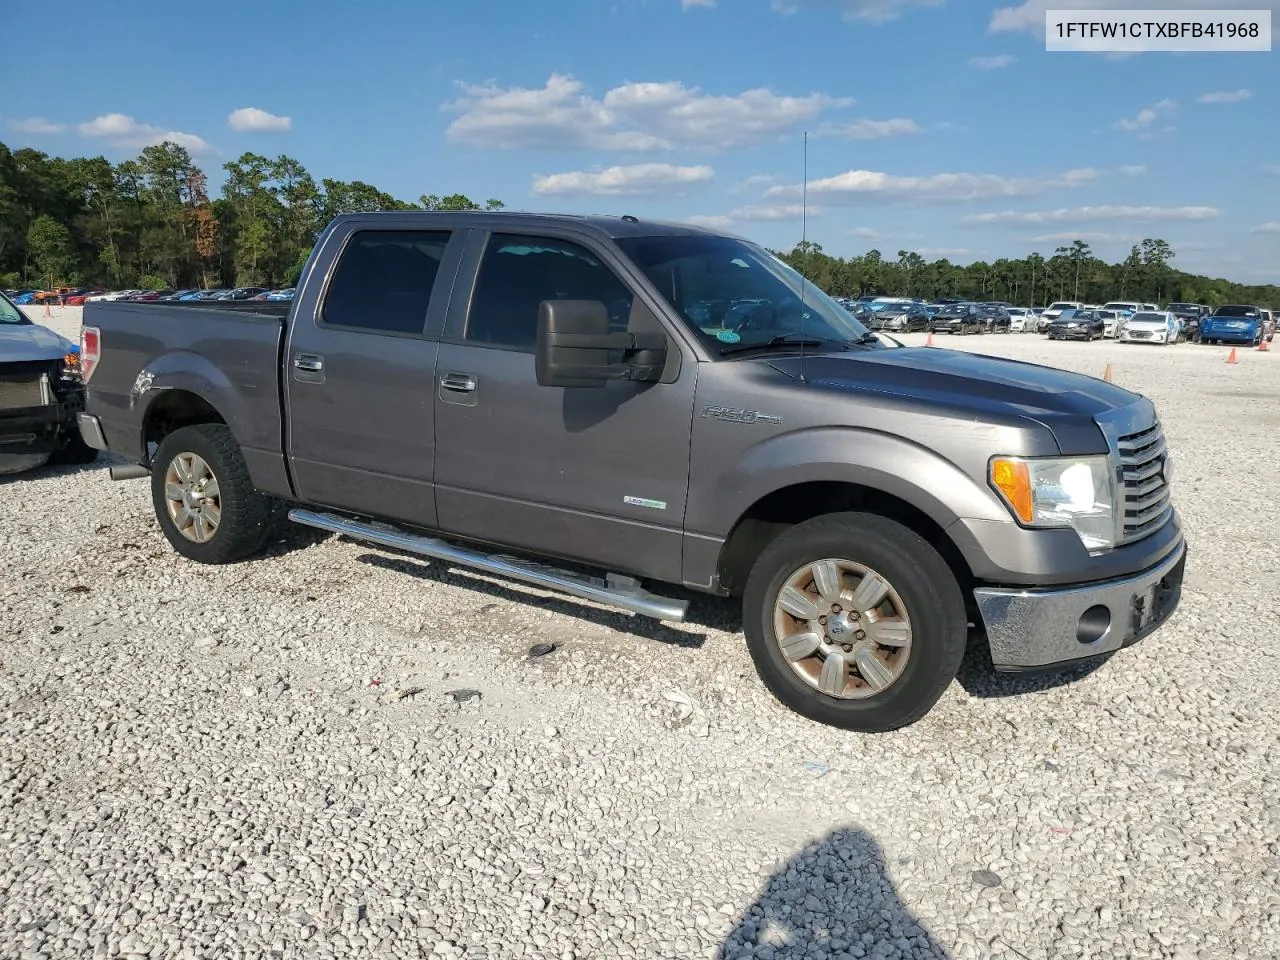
x=794, y=460
x=1022, y=320
x=1268, y=324
x=899, y=316
x=41, y=394
x=1233, y=323
x=958, y=318
x=1150, y=326
x=995, y=316
x=1073, y=324
x=1054, y=310
x=241, y=293
x=1111, y=321
x=1190, y=314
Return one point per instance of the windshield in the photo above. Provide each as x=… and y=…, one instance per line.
x=11, y=314
x=1061, y=306
x=734, y=292
x=1183, y=307
x=1148, y=317
x=890, y=306
x=1236, y=311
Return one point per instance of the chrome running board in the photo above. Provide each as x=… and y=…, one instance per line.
x=614, y=590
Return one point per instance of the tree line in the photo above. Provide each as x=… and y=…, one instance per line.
x=150, y=222
x=1069, y=273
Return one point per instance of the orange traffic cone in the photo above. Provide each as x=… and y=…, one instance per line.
x=928, y=341
x=1262, y=345
x=1106, y=374
x=1231, y=358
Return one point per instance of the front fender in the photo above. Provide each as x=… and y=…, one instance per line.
x=881, y=461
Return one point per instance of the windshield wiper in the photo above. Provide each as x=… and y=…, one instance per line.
x=784, y=340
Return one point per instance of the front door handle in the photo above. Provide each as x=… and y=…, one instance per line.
x=458, y=382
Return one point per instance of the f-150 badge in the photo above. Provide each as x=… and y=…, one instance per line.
x=738, y=415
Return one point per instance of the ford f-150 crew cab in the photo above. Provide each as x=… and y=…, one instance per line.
x=646, y=404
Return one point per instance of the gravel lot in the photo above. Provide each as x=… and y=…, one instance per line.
x=266, y=760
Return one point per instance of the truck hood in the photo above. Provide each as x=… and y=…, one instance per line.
x=20, y=342
x=984, y=387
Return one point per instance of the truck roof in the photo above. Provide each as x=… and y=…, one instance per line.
x=609, y=226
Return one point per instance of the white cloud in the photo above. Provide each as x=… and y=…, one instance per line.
x=1147, y=116
x=253, y=119
x=993, y=63
x=1271, y=226
x=757, y=182
x=124, y=131
x=630, y=117
x=690, y=4
x=1088, y=236
x=773, y=211
x=1134, y=214
x=866, y=233
x=870, y=129
x=1230, y=96
x=856, y=186
x=38, y=125
x=872, y=11
x=710, y=222
x=1133, y=169
x=637, y=180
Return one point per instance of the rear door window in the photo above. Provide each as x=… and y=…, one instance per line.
x=383, y=281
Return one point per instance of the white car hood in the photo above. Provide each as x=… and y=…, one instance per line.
x=1152, y=325
x=23, y=342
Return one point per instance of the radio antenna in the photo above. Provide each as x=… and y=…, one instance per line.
x=804, y=244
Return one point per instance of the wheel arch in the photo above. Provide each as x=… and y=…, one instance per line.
x=766, y=518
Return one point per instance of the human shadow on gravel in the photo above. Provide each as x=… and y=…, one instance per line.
x=980, y=679
x=515, y=592
x=832, y=900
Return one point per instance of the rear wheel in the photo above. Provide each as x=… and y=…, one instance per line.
x=204, y=500
x=854, y=621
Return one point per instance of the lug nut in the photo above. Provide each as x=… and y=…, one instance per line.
x=822, y=620
x=848, y=648
x=835, y=608
x=861, y=635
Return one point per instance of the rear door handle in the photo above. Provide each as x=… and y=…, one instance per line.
x=458, y=382
x=308, y=368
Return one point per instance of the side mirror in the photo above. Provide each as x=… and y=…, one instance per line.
x=575, y=347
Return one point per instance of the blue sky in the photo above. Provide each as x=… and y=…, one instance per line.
x=940, y=126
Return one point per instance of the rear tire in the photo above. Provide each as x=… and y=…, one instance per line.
x=922, y=604
x=204, y=500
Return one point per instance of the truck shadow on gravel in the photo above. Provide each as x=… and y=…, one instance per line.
x=834, y=900
x=512, y=591
x=46, y=471
x=980, y=679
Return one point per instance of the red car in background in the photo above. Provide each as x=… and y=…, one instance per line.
x=77, y=299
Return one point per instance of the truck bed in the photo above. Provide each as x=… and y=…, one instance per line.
x=228, y=352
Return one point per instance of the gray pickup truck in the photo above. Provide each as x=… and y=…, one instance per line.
x=648, y=403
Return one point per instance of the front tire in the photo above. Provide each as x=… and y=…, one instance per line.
x=204, y=500
x=854, y=621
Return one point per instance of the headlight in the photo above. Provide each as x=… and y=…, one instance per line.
x=1075, y=492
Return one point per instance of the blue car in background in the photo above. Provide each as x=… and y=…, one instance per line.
x=1233, y=323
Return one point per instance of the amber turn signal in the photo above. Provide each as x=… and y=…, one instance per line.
x=1013, y=479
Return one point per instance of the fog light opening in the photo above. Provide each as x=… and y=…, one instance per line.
x=1094, y=625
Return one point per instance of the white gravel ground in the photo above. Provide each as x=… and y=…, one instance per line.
x=264, y=760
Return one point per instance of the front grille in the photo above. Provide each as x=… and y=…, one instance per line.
x=24, y=389
x=1146, y=494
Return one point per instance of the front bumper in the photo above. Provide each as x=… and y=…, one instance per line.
x=1229, y=336
x=1030, y=629
x=1144, y=336
x=1062, y=333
